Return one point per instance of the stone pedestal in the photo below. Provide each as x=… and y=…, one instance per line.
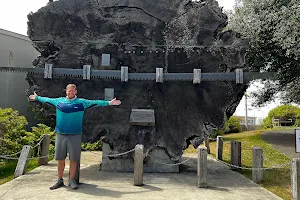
x=153, y=163
x=142, y=122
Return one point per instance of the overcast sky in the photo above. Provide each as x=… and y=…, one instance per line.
x=13, y=15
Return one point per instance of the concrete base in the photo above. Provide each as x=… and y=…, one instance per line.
x=152, y=164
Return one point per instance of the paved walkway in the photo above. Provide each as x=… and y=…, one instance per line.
x=222, y=184
x=283, y=140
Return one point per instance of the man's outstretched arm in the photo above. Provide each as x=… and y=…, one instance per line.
x=35, y=97
x=114, y=102
x=95, y=103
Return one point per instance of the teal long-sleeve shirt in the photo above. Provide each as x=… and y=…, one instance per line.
x=69, y=112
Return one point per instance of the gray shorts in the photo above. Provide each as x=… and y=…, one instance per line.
x=67, y=144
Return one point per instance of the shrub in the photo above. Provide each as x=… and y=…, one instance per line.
x=216, y=132
x=284, y=111
x=91, y=146
x=232, y=125
x=13, y=134
x=297, y=123
x=37, y=134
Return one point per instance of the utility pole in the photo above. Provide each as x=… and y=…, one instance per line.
x=246, y=112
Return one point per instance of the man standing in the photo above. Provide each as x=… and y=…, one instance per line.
x=69, y=117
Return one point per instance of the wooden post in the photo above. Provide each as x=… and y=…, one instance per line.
x=124, y=74
x=44, y=149
x=236, y=154
x=206, y=144
x=23, y=161
x=159, y=75
x=295, y=178
x=138, y=165
x=202, y=167
x=219, y=149
x=86, y=72
x=197, y=76
x=257, y=162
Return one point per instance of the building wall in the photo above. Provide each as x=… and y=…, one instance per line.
x=251, y=121
x=15, y=51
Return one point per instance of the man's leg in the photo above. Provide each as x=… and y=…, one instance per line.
x=73, y=168
x=60, y=168
x=60, y=156
x=60, y=173
x=74, y=147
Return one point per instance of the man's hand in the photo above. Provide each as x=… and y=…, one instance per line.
x=114, y=102
x=33, y=96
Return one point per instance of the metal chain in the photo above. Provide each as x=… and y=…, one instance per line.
x=250, y=168
x=32, y=158
x=9, y=155
x=109, y=155
x=118, y=154
x=274, y=166
x=268, y=160
x=41, y=140
x=175, y=163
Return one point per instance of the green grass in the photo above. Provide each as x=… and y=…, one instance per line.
x=7, y=169
x=278, y=181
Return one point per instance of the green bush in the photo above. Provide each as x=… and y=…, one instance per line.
x=297, y=123
x=216, y=132
x=232, y=125
x=38, y=133
x=285, y=111
x=13, y=134
x=91, y=146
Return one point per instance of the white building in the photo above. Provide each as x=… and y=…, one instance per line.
x=251, y=122
x=15, y=51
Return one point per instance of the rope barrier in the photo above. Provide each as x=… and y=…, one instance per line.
x=175, y=163
x=32, y=158
x=9, y=155
x=157, y=161
x=41, y=140
x=118, y=154
x=274, y=166
x=250, y=168
x=14, y=154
